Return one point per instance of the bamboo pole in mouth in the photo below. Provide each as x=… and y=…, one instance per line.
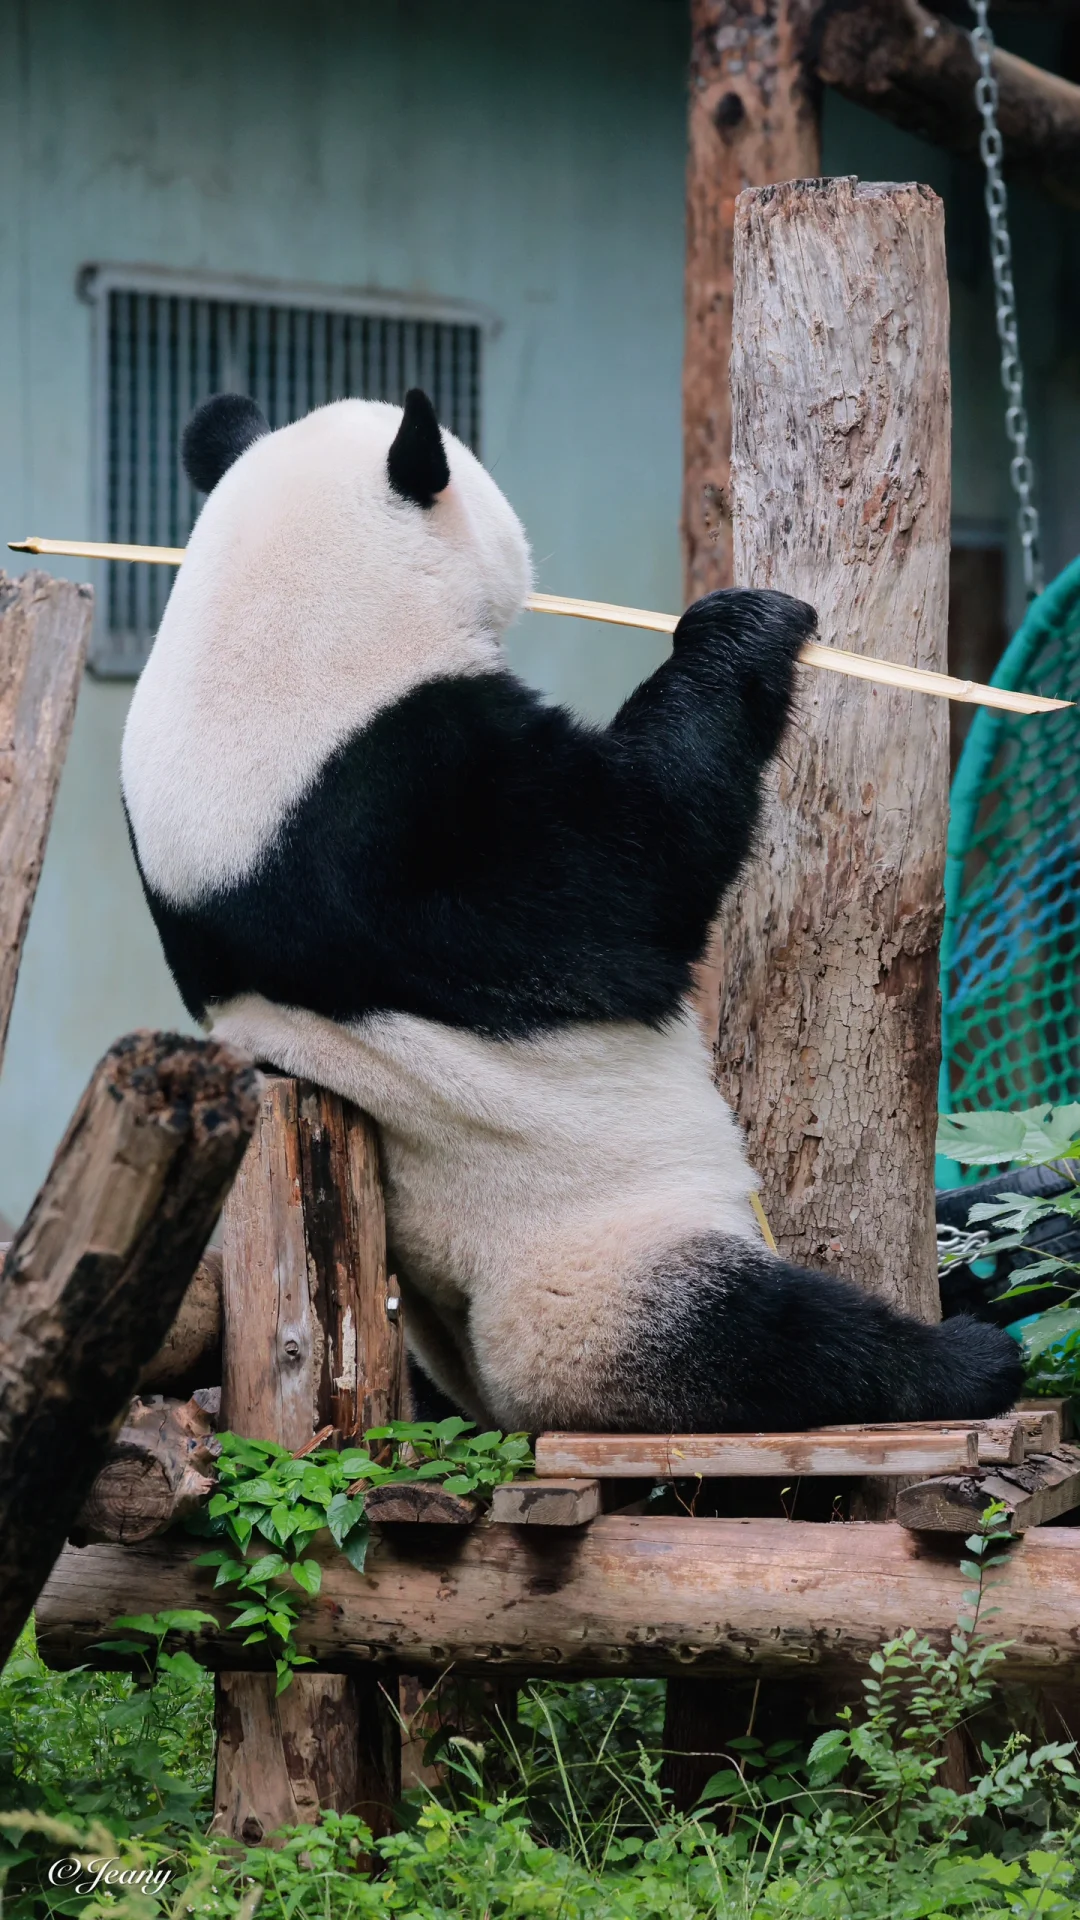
x=883, y=673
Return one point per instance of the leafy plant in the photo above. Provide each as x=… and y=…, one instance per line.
x=270, y=1507
x=1036, y=1137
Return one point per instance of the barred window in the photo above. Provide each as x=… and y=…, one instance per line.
x=162, y=349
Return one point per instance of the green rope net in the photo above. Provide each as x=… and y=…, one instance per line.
x=1010, y=957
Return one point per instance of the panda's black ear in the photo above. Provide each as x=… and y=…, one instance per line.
x=218, y=432
x=417, y=463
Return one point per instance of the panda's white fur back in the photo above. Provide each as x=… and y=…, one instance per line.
x=309, y=598
x=546, y=1174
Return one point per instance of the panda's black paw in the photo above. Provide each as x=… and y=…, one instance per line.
x=977, y=1371
x=749, y=628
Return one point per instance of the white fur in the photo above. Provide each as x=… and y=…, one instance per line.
x=310, y=596
x=530, y=1183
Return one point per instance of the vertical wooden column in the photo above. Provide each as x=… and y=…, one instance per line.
x=828, y=1029
x=44, y=633
x=753, y=118
x=308, y=1343
x=825, y=1019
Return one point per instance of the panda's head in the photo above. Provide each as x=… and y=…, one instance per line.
x=336, y=563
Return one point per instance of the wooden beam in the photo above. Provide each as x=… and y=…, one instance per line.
x=630, y=1596
x=546, y=1503
x=418, y=1503
x=619, y=1456
x=308, y=1342
x=752, y=118
x=95, y=1275
x=918, y=70
x=1044, y=1487
x=44, y=633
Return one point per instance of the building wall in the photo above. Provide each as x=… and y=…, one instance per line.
x=526, y=159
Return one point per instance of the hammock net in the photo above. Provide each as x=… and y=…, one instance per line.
x=1010, y=960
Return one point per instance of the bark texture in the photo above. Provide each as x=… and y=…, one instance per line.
x=94, y=1278
x=918, y=70
x=752, y=118
x=308, y=1344
x=826, y=987
x=160, y=1468
x=788, y=1599
x=44, y=634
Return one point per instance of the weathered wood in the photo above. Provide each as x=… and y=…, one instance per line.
x=1002, y=1441
x=418, y=1503
x=546, y=1503
x=822, y=1451
x=159, y=1469
x=752, y=119
x=918, y=70
x=645, y=1596
x=190, y=1354
x=44, y=633
x=1042, y=1489
x=307, y=1342
x=827, y=992
x=1062, y=1408
x=96, y=1273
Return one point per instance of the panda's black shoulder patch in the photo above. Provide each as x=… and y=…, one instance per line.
x=219, y=431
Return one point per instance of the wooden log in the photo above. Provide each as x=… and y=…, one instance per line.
x=546, y=1503
x=1042, y=1489
x=631, y=1596
x=418, y=1503
x=673, y=1456
x=44, y=633
x=96, y=1273
x=190, y=1354
x=159, y=1469
x=1002, y=1441
x=919, y=71
x=827, y=996
x=191, y=1349
x=307, y=1343
x=1062, y=1408
x=752, y=118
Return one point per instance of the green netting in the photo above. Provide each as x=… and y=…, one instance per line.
x=1010, y=959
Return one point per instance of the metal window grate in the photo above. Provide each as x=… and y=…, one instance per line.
x=164, y=351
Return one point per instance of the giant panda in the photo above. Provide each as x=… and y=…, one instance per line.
x=378, y=861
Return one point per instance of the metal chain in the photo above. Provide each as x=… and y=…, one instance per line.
x=1021, y=472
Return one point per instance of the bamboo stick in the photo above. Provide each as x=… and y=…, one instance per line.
x=884, y=673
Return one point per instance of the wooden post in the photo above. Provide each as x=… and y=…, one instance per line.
x=308, y=1342
x=753, y=118
x=824, y=975
x=94, y=1277
x=44, y=632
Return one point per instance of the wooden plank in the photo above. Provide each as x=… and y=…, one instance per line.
x=1002, y=1441
x=627, y=1596
x=418, y=1503
x=307, y=1344
x=546, y=1503
x=1042, y=1489
x=95, y=1276
x=44, y=632
x=1063, y=1409
x=669, y=1457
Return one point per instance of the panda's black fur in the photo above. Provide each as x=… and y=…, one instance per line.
x=469, y=889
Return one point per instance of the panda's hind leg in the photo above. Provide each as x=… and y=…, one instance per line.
x=741, y=1340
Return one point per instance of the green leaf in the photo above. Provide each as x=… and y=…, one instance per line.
x=355, y=1546
x=307, y=1574
x=141, y=1622
x=267, y=1567
x=1051, y=1326
x=342, y=1515
x=250, y=1617
x=978, y=1139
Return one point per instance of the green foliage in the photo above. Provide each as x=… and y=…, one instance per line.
x=1032, y=1138
x=270, y=1507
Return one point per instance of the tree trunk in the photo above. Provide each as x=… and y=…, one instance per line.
x=904, y=61
x=44, y=633
x=308, y=1342
x=753, y=118
x=96, y=1273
